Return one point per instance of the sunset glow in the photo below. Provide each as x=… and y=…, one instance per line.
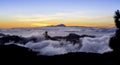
x=37, y=13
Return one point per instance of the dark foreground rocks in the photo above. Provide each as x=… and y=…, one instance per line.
x=20, y=55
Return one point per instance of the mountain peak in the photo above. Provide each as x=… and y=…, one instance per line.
x=61, y=25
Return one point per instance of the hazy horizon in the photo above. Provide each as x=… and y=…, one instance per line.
x=37, y=13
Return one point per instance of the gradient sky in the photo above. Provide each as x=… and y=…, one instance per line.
x=32, y=13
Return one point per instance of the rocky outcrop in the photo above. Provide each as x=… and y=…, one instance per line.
x=115, y=40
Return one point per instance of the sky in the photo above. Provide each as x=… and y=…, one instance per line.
x=36, y=13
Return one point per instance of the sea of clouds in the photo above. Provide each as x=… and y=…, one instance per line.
x=99, y=44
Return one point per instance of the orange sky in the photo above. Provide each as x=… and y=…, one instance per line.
x=24, y=23
x=67, y=18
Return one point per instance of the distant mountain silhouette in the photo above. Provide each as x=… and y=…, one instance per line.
x=61, y=25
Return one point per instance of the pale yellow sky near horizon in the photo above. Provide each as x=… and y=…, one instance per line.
x=15, y=24
x=30, y=22
x=69, y=19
